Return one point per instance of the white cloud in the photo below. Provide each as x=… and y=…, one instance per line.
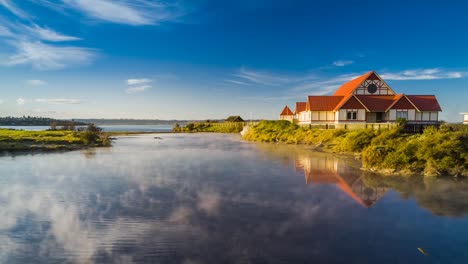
x=138, y=81
x=131, y=12
x=48, y=57
x=36, y=82
x=341, y=63
x=20, y=101
x=137, y=89
x=424, y=74
x=1, y=101
x=50, y=34
x=5, y=32
x=270, y=79
x=236, y=82
x=13, y=9
x=57, y=101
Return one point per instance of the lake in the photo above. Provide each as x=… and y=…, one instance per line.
x=212, y=198
x=114, y=128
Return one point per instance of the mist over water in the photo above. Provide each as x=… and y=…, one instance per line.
x=208, y=198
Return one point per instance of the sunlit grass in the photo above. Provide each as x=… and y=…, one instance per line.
x=12, y=140
x=435, y=152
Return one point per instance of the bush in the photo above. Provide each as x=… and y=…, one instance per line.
x=435, y=152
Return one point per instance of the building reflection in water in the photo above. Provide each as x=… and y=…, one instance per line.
x=327, y=169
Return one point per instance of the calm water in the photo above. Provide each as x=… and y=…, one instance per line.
x=197, y=198
x=120, y=128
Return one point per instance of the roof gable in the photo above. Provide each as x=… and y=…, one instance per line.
x=349, y=87
x=402, y=102
x=286, y=111
x=353, y=103
x=359, y=85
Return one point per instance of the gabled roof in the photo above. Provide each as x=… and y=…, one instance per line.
x=286, y=111
x=300, y=106
x=377, y=102
x=322, y=103
x=425, y=102
x=355, y=101
x=350, y=86
x=234, y=119
x=401, y=102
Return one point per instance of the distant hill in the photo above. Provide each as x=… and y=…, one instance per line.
x=36, y=121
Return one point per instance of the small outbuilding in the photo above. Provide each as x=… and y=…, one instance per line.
x=286, y=114
x=234, y=119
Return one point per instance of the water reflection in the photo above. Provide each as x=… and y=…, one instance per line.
x=214, y=199
x=331, y=170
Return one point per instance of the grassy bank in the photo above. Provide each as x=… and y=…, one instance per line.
x=436, y=152
x=210, y=127
x=21, y=140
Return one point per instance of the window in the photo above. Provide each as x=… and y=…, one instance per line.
x=351, y=114
x=403, y=114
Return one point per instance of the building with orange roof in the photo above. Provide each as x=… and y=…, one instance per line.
x=367, y=99
x=286, y=114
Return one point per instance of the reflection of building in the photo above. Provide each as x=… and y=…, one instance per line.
x=329, y=170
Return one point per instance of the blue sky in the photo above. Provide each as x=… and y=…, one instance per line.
x=204, y=59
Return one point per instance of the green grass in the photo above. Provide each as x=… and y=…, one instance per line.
x=207, y=127
x=21, y=140
x=436, y=152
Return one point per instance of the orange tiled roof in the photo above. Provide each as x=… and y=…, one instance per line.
x=322, y=103
x=377, y=102
x=425, y=102
x=300, y=106
x=286, y=111
x=349, y=87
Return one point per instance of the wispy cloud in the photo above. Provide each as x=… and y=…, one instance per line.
x=269, y=79
x=36, y=82
x=13, y=8
x=20, y=101
x=137, y=89
x=236, y=82
x=57, y=101
x=325, y=85
x=130, y=12
x=48, y=57
x=341, y=63
x=5, y=32
x=48, y=34
x=424, y=74
x=138, y=81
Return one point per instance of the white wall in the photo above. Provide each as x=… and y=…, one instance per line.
x=361, y=114
x=392, y=113
x=434, y=116
x=411, y=114
x=418, y=116
x=425, y=116
x=342, y=114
